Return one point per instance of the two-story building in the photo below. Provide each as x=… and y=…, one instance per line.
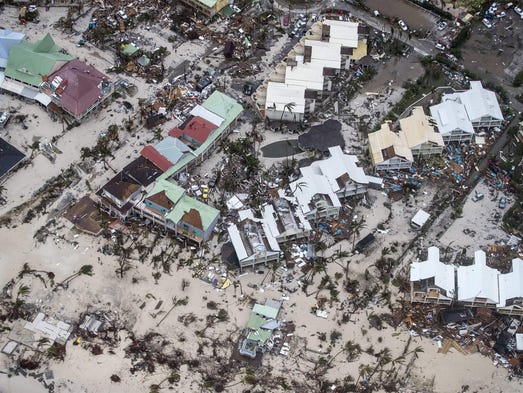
x=432, y=281
x=421, y=136
x=452, y=122
x=389, y=150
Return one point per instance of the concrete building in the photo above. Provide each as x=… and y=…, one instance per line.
x=477, y=284
x=318, y=191
x=253, y=242
x=315, y=60
x=422, y=139
x=287, y=103
x=206, y=8
x=389, y=150
x=452, y=121
x=284, y=222
x=432, y=281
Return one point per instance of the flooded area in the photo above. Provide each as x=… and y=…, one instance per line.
x=395, y=72
x=415, y=17
x=279, y=149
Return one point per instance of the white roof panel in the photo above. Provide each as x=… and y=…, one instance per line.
x=343, y=32
x=280, y=94
x=443, y=274
x=478, y=280
x=511, y=284
x=450, y=115
x=237, y=242
x=199, y=110
x=307, y=75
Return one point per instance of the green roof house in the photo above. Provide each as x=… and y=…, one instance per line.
x=30, y=62
x=167, y=205
x=218, y=109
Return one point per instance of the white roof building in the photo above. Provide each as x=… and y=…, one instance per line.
x=280, y=94
x=337, y=176
x=442, y=273
x=343, y=32
x=253, y=241
x=452, y=120
x=480, y=103
x=326, y=54
x=206, y=114
x=283, y=222
x=420, y=218
x=309, y=76
x=478, y=283
x=511, y=285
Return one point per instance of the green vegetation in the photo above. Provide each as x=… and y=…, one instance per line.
x=518, y=80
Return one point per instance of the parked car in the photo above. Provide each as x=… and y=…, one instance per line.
x=519, y=11
x=286, y=20
x=403, y=25
x=478, y=196
x=236, y=9
x=442, y=25
x=502, y=202
x=440, y=46
x=487, y=23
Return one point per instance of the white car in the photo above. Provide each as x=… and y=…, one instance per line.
x=440, y=46
x=519, y=11
x=403, y=25
x=487, y=23
x=442, y=26
x=236, y=9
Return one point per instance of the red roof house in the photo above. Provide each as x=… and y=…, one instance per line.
x=196, y=130
x=77, y=88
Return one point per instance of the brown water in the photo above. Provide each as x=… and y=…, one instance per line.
x=414, y=16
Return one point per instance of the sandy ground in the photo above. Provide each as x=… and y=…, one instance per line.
x=68, y=251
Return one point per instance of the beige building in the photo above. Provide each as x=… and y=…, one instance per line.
x=323, y=51
x=420, y=134
x=209, y=8
x=389, y=150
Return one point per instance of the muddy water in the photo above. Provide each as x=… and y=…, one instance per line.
x=415, y=17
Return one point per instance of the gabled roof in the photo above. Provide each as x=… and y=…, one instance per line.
x=450, y=115
x=265, y=311
x=339, y=164
x=8, y=38
x=511, y=284
x=310, y=184
x=443, y=274
x=478, y=280
x=121, y=189
x=166, y=153
x=480, y=102
x=418, y=130
x=29, y=62
x=193, y=212
x=220, y=105
x=385, y=144
x=172, y=191
x=197, y=128
x=83, y=86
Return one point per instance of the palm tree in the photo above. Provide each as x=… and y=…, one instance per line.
x=356, y=228
x=85, y=270
x=287, y=107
